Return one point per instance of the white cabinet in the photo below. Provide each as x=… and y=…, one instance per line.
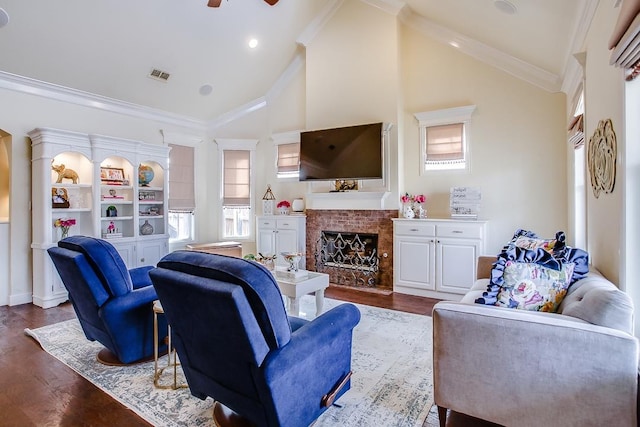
x=436, y=258
x=99, y=184
x=281, y=233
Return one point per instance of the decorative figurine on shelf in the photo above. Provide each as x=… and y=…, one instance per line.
x=64, y=173
x=145, y=175
x=111, y=228
x=112, y=211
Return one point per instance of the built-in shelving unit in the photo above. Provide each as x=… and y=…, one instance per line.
x=99, y=187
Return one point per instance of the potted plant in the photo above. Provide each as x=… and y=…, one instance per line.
x=283, y=207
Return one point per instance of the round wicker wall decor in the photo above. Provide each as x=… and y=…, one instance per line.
x=601, y=158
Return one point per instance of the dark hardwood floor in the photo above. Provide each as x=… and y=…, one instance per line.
x=38, y=390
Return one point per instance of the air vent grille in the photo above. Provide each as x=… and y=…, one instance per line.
x=159, y=75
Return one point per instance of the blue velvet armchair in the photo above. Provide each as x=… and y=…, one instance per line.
x=237, y=345
x=113, y=304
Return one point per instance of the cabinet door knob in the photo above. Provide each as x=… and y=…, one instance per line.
x=141, y=259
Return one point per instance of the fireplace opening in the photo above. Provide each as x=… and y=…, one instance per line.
x=350, y=259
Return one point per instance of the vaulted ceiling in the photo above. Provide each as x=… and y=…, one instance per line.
x=109, y=47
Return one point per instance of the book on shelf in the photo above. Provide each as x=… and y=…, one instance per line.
x=111, y=235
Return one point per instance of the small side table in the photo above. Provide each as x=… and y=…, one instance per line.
x=157, y=372
x=294, y=288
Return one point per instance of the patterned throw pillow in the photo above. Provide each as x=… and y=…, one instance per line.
x=533, y=287
x=529, y=240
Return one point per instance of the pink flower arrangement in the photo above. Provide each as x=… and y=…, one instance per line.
x=408, y=198
x=283, y=204
x=64, y=225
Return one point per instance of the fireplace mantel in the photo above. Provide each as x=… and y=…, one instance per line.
x=357, y=200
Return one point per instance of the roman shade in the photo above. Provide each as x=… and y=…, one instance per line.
x=237, y=178
x=444, y=143
x=181, y=181
x=625, y=39
x=288, y=158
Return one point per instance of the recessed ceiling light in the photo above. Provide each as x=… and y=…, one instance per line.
x=205, y=90
x=505, y=6
x=253, y=43
x=4, y=17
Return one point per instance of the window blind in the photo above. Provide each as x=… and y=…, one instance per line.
x=445, y=142
x=181, y=178
x=288, y=158
x=625, y=39
x=237, y=178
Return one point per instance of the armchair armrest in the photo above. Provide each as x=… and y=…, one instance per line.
x=140, y=276
x=494, y=363
x=313, y=363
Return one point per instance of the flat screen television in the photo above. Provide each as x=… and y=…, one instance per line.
x=352, y=152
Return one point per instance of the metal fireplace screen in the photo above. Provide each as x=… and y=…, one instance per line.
x=350, y=259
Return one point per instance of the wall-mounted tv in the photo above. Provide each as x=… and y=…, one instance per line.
x=352, y=152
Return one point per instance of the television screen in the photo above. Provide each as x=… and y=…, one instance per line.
x=353, y=152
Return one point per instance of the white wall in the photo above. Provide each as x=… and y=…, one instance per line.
x=517, y=136
x=604, y=99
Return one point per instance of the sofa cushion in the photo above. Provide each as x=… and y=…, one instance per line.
x=531, y=286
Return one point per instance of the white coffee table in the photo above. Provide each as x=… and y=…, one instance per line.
x=294, y=288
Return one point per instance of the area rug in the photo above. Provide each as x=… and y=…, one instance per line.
x=391, y=384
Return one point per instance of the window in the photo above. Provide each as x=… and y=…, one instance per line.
x=237, y=187
x=182, y=202
x=444, y=141
x=288, y=160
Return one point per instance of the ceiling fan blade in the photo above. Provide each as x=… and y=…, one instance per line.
x=214, y=3
x=271, y=2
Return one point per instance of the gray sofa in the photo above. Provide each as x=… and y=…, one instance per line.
x=577, y=367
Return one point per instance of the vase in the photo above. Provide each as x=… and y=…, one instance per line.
x=283, y=211
x=64, y=232
x=146, y=228
x=419, y=211
x=407, y=212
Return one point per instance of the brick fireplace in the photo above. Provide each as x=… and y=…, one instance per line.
x=355, y=221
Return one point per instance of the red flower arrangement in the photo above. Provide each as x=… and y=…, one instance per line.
x=283, y=204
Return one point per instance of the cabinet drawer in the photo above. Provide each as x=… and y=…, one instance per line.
x=266, y=223
x=415, y=229
x=473, y=231
x=287, y=224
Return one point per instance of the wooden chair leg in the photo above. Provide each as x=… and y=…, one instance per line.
x=442, y=416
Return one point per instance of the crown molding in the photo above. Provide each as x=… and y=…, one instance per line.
x=31, y=86
x=236, y=113
x=573, y=71
x=390, y=6
x=482, y=52
x=286, y=77
x=321, y=19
